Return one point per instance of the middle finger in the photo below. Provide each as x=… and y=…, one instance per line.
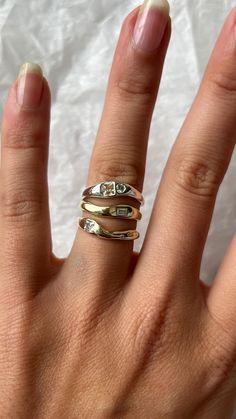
x=121, y=144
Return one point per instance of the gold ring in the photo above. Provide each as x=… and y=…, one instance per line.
x=118, y=211
x=92, y=227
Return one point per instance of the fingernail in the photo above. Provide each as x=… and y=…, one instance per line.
x=30, y=85
x=151, y=24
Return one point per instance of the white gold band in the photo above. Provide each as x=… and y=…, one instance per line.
x=110, y=189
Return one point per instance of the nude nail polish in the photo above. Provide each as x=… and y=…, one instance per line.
x=151, y=24
x=30, y=85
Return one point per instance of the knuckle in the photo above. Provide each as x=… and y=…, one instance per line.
x=139, y=89
x=197, y=177
x=118, y=169
x=18, y=207
x=25, y=133
x=151, y=334
x=222, y=84
x=220, y=365
x=220, y=349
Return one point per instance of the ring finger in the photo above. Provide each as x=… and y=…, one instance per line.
x=200, y=157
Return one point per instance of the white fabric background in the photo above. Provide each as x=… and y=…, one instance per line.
x=74, y=41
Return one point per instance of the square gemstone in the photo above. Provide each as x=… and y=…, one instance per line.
x=108, y=189
x=89, y=225
x=122, y=212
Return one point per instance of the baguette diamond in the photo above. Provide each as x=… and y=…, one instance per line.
x=122, y=212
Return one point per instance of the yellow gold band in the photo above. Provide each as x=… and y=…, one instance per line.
x=118, y=211
x=92, y=227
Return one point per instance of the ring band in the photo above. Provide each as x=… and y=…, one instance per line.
x=111, y=189
x=92, y=227
x=118, y=211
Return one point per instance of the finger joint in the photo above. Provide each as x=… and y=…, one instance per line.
x=197, y=178
x=222, y=85
x=136, y=90
x=24, y=134
x=17, y=207
x=118, y=169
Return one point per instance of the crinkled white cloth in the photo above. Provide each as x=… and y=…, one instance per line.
x=74, y=41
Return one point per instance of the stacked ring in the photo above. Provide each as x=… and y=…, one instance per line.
x=118, y=211
x=110, y=189
x=93, y=227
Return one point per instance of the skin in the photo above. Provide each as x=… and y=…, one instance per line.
x=89, y=336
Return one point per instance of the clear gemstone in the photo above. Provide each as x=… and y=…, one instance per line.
x=122, y=212
x=89, y=225
x=108, y=189
x=120, y=188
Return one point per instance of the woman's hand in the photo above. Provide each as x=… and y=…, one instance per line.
x=108, y=333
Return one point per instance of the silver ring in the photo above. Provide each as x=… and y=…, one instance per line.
x=110, y=189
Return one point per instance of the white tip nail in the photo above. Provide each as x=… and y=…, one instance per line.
x=30, y=68
x=160, y=4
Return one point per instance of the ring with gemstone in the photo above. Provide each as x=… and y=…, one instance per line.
x=110, y=189
x=118, y=211
x=92, y=227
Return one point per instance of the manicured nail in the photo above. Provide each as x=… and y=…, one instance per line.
x=151, y=24
x=30, y=85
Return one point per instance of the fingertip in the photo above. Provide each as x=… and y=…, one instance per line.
x=232, y=14
x=221, y=69
x=227, y=37
x=127, y=28
x=131, y=18
x=148, y=40
x=19, y=120
x=13, y=108
x=46, y=95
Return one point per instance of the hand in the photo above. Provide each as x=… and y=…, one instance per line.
x=108, y=333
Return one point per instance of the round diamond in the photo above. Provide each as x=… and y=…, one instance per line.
x=120, y=188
